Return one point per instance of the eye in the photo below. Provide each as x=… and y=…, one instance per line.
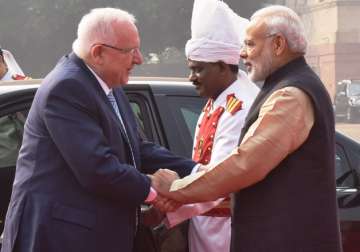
x=196, y=70
x=250, y=44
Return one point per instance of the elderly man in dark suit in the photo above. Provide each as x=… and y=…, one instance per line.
x=77, y=185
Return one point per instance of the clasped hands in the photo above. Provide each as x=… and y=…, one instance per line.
x=161, y=181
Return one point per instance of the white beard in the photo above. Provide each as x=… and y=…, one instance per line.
x=260, y=70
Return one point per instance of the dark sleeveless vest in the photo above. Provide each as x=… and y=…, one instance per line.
x=294, y=208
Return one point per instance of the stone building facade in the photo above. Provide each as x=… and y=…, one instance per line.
x=334, y=37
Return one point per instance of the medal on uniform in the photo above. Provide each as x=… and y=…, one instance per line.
x=200, y=146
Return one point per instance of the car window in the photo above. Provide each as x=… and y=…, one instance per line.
x=139, y=116
x=354, y=89
x=11, y=131
x=137, y=111
x=144, y=117
x=179, y=115
x=346, y=177
x=188, y=110
x=190, y=115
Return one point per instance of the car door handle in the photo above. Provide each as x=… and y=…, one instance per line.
x=346, y=190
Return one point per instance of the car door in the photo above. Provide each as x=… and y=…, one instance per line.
x=170, y=121
x=348, y=193
x=14, y=107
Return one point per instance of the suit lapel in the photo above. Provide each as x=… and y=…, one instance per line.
x=119, y=97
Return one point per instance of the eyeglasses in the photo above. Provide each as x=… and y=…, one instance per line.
x=122, y=50
x=249, y=45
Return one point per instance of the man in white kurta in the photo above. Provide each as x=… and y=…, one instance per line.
x=212, y=54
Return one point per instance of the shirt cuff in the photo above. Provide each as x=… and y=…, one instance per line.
x=195, y=169
x=151, y=196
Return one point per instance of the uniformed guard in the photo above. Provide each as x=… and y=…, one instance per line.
x=11, y=125
x=213, y=55
x=5, y=73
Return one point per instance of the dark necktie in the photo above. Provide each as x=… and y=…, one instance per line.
x=112, y=100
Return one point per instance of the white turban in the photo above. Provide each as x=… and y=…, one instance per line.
x=217, y=33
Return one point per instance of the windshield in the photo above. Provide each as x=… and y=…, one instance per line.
x=354, y=89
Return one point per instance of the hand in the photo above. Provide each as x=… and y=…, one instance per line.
x=162, y=179
x=164, y=204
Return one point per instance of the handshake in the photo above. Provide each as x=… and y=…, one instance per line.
x=166, y=200
x=173, y=193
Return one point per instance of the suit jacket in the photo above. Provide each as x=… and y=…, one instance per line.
x=75, y=187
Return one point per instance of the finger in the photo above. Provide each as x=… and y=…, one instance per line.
x=169, y=203
x=159, y=203
x=171, y=206
x=167, y=173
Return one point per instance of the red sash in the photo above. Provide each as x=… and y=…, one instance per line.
x=206, y=133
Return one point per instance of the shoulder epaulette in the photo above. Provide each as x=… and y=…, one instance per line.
x=233, y=104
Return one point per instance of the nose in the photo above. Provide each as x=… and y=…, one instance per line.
x=243, y=53
x=192, y=76
x=138, y=58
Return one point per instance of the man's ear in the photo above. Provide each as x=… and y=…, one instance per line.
x=96, y=53
x=279, y=44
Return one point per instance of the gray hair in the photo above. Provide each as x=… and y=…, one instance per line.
x=97, y=27
x=281, y=19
